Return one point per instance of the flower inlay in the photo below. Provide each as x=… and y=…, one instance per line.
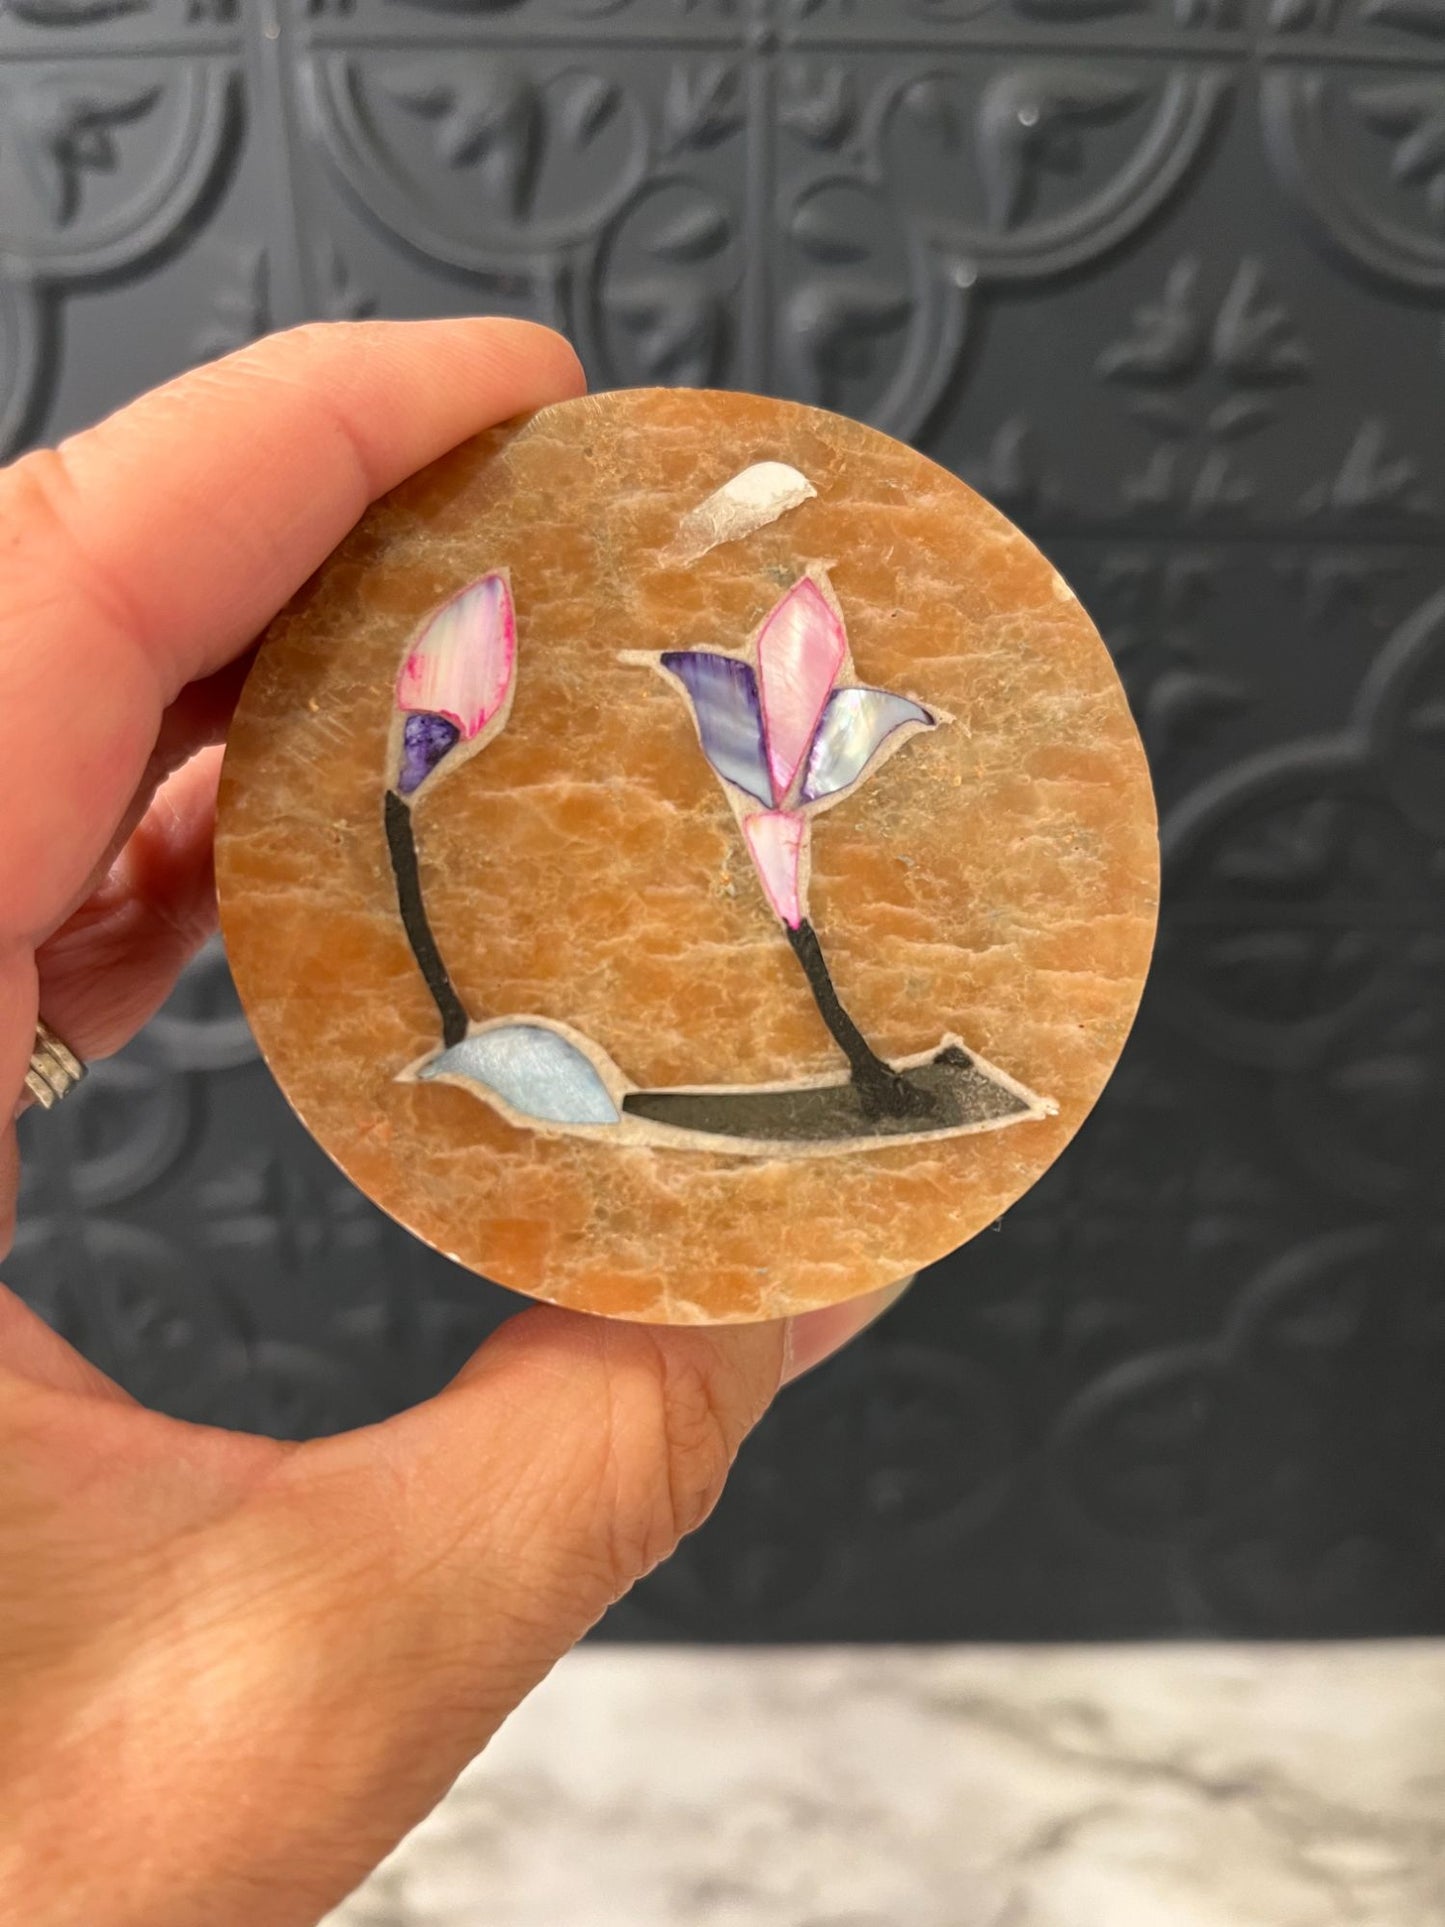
x=800, y=651
x=459, y=668
x=789, y=731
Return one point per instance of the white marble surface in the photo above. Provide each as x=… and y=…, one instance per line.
x=952, y=1787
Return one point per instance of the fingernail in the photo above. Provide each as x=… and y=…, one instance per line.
x=817, y=1336
x=790, y=1350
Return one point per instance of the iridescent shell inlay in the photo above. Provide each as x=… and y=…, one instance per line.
x=789, y=731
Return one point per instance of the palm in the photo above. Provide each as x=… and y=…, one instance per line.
x=177, y=1582
x=233, y=1672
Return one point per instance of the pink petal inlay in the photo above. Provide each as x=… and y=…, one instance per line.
x=775, y=842
x=800, y=652
x=461, y=664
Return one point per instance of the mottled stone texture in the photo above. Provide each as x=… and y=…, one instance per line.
x=1176, y=1785
x=998, y=879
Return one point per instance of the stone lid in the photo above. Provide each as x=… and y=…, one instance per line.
x=687, y=857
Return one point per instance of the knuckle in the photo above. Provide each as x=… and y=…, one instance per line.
x=304, y=362
x=303, y=342
x=673, y=1432
x=699, y=1440
x=36, y=500
x=43, y=513
x=301, y=357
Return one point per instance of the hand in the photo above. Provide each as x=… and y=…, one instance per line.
x=234, y=1672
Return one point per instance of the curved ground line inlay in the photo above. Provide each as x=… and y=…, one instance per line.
x=817, y=1116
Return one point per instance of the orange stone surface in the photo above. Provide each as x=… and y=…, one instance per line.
x=997, y=881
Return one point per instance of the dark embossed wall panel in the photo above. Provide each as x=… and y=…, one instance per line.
x=1166, y=278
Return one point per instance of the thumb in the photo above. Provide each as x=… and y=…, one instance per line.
x=566, y=1460
x=449, y=1557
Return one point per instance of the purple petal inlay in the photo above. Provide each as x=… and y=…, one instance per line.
x=425, y=741
x=729, y=718
x=855, y=726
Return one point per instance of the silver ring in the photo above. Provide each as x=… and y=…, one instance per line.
x=54, y=1071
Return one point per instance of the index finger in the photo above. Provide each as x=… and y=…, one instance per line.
x=148, y=551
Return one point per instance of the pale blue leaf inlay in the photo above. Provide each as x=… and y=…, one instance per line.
x=855, y=726
x=534, y=1069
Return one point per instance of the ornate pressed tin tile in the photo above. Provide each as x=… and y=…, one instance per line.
x=1166, y=282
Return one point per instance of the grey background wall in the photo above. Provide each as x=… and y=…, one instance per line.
x=1166, y=279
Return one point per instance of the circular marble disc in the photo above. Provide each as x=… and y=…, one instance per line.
x=689, y=858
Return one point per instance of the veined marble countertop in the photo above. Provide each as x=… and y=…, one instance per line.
x=1160, y=1786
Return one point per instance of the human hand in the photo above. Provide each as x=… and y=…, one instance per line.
x=234, y=1672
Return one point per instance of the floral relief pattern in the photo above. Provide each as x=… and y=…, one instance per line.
x=1035, y=163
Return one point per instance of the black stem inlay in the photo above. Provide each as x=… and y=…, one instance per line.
x=401, y=841
x=881, y=1088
